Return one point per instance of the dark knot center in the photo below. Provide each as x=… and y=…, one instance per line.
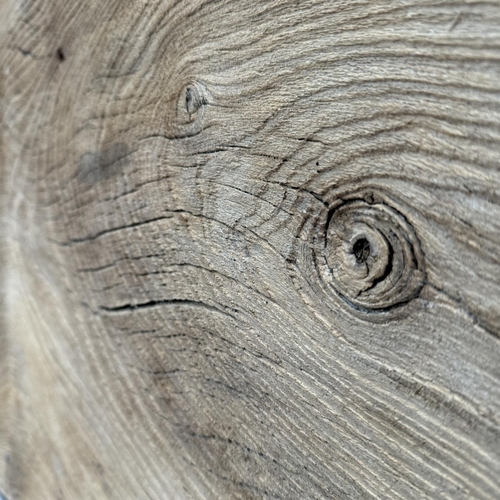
x=361, y=250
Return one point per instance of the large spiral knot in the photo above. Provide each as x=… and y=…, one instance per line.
x=373, y=254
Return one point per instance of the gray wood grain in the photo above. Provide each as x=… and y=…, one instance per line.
x=250, y=249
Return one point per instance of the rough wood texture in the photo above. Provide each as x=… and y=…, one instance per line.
x=250, y=249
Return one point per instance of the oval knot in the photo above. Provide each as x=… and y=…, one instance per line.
x=373, y=254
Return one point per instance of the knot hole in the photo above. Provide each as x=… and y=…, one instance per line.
x=361, y=250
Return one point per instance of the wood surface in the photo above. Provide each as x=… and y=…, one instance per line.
x=250, y=249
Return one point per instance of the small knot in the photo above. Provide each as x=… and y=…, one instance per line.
x=194, y=99
x=191, y=107
x=60, y=55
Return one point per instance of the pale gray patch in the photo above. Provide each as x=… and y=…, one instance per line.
x=98, y=166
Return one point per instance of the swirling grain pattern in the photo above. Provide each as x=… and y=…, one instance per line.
x=250, y=249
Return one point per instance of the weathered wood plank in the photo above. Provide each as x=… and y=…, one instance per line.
x=250, y=250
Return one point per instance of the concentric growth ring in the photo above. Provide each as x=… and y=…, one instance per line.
x=373, y=254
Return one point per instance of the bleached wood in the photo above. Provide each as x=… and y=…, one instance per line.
x=250, y=249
